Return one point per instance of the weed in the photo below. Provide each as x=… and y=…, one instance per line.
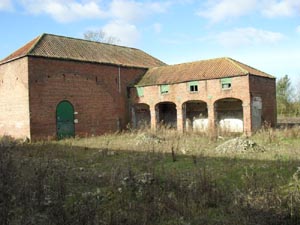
x=294, y=196
x=130, y=178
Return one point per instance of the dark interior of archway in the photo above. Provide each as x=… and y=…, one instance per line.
x=229, y=108
x=196, y=110
x=167, y=114
x=142, y=114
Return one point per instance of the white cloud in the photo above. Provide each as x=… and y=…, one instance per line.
x=217, y=11
x=5, y=5
x=248, y=36
x=125, y=10
x=274, y=8
x=122, y=15
x=157, y=7
x=134, y=11
x=298, y=29
x=64, y=10
x=125, y=14
x=72, y=10
x=128, y=34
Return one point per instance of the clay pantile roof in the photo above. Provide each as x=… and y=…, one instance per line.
x=199, y=70
x=54, y=46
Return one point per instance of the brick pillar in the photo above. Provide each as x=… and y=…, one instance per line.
x=153, y=115
x=247, y=118
x=184, y=117
x=179, y=118
x=212, y=129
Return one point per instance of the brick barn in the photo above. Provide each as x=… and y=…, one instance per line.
x=56, y=86
x=218, y=94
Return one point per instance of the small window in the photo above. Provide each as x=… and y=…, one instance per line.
x=193, y=86
x=226, y=86
x=164, y=89
x=226, y=83
x=140, y=91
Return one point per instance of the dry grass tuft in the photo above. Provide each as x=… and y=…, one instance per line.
x=146, y=177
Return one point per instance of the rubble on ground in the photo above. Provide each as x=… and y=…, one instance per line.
x=239, y=145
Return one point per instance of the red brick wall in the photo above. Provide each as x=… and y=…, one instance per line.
x=92, y=88
x=14, y=106
x=266, y=89
x=209, y=91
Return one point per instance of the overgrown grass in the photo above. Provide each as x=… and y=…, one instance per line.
x=150, y=178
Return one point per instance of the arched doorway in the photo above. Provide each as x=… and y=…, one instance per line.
x=196, y=115
x=65, y=120
x=166, y=114
x=141, y=117
x=229, y=115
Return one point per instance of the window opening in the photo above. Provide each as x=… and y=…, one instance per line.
x=193, y=86
x=226, y=83
x=164, y=89
x=140, y=91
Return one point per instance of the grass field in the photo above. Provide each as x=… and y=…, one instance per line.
x=151, y=178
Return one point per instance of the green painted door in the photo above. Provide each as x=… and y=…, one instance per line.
x=65, y=120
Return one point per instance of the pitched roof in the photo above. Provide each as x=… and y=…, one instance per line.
x=199, y=70
x=54, y=46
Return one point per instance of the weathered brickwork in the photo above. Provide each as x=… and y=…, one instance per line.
x=210, y=92
x=14, y=99
x=95, y=91
x=266, y=89
x=56, y=87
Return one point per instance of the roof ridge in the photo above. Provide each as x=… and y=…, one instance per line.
x=86, y=40
x=62, y=47
x=40, y=37
x=22, y=51
x=237, y=65
x=253, y=68
x=196, y=61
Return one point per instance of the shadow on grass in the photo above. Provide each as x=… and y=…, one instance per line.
x=50, y=183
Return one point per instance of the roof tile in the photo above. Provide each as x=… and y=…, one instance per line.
x=21, y=51
x=54, y=46
x=199, y=70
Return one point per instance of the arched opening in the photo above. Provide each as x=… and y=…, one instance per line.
x=166, y=114
x=65, y=120
x=229, y=115
x=196, y=115
x=141, y=117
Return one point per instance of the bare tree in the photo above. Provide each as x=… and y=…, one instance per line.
x=100, y=36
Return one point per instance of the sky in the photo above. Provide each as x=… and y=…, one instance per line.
x=264, y=34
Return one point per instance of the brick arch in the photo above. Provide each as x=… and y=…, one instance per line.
x=166, y=114
x=195, y=115
x=228, y=98
x=141, y=116
x=229, y=114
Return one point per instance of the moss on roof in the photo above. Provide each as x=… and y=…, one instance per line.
x=59, y=47
x=199, y=70
x=54, y=46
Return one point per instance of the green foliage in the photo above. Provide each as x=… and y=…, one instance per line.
x=287, y=102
